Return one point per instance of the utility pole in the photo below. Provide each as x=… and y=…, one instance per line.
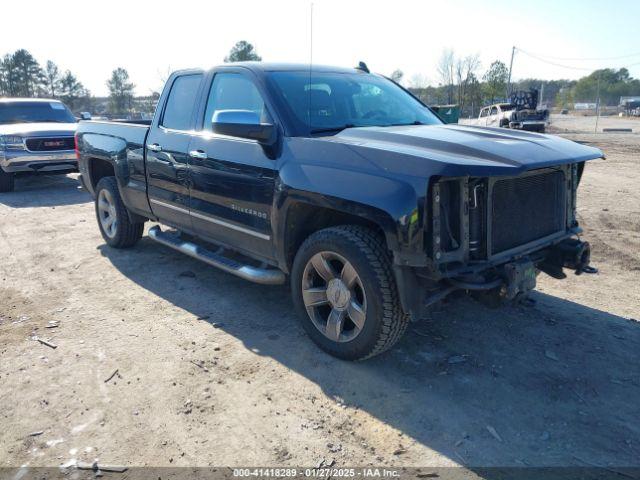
x=513, y=52
x=597, y=103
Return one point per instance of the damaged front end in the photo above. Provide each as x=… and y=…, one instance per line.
x=495, y=234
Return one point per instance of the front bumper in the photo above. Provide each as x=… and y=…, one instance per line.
x=25, y=161
x=496, y=282
x=533, y=125
x=494, y=233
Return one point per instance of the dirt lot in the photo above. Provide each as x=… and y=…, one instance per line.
x=212, y=370
x=579, y=123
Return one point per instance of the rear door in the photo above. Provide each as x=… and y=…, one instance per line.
x=493, y=119
x=167, y=148
x=233, y=179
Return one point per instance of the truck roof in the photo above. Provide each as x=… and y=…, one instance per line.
x=262, y=67
x=290, y=67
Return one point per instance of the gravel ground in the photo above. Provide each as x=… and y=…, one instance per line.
x=577, y=123
x=212, y=370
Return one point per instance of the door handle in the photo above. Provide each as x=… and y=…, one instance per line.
x=154, y=147
x=198, y=154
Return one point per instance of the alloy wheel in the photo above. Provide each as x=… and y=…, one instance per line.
x=334, y=297
x=107, y=213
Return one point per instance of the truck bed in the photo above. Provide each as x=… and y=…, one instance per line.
x=133, y=132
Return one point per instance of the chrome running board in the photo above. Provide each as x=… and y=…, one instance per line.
x=265, y=276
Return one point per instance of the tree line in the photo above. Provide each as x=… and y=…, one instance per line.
x=461, y=81
x=22, y=76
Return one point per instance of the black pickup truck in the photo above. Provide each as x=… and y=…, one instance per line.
x=343, y=182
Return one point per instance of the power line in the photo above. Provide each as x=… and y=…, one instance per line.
x=570, y=67
x=586, y=59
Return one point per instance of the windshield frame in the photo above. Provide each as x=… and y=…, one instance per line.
x=298, y=128
x=31, y=104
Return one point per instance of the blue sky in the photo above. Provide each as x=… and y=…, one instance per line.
x=148, y=38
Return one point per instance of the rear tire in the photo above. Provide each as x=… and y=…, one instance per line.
x=114, y=220
x=356, y=314
x=6, y=181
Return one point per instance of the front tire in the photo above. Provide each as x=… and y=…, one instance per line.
x=114, y=221
x=6, y=181
x=345, y=293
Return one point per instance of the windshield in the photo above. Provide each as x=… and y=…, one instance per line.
x=325, y=102
x=30, y=112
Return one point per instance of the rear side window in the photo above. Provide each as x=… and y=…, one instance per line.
x=182, y=98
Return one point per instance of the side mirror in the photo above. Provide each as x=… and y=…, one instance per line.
x=243, y=124
x=85, y=116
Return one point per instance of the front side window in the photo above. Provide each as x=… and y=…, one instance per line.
x=233, y=91
x=182, y=98
x=324, y=101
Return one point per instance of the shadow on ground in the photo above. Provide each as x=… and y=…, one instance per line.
x=554, y=384
x=44, y=191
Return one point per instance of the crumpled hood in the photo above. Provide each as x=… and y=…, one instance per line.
x=39, y=129
x=461, y=150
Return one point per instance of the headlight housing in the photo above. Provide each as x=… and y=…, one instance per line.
x=11, y=142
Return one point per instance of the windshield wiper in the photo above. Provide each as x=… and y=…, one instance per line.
x=417, y=122
x=332, y=129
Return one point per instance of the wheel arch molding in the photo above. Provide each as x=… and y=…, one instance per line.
x=298, y=214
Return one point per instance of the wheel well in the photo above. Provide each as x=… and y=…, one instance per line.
x=98, y=169
x=303, y=220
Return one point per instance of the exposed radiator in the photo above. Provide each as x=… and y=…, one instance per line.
x=527, y=208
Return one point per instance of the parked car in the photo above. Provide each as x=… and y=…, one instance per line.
x=36, y=136
x=506, y=115
x=345, y=184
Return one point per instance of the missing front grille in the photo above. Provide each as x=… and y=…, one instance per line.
x=450, y=215
x=527, y=208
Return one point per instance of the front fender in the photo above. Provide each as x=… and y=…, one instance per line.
x=395, y=205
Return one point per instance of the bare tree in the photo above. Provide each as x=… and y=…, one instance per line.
x=163, y=76
x=445, y=71
x=397, y=75
x=465, y=70
x=418, y=81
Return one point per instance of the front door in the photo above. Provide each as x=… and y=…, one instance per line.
x=232, y=179
x=167, y=153
x=493, y=118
